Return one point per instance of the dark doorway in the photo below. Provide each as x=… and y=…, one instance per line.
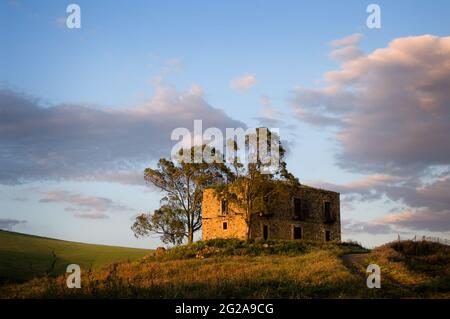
x=327, y=235
x=265, y=232
x=297, y=232
x=225, y=226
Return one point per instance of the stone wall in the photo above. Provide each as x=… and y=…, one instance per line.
x=212, y=219
x=280, y=222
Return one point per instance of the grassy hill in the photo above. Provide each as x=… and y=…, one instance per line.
x=23, y=257
x=216, y=268
x=414, y=269
x=261, y=269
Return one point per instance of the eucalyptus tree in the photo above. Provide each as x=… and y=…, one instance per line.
x=182, y=183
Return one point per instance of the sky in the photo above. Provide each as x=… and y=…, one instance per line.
x=363, y=111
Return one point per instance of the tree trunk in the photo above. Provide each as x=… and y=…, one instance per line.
x=190, y=236
x=249, y=223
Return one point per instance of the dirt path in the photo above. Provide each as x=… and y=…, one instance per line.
x=355, y=263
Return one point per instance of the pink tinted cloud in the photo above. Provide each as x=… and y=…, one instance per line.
x=84, y=206
x=391, y=105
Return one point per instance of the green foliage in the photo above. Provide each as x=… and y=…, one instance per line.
x=251, y=185
x=236, y=247
x=423, y=256
x=182, y=182
x=164, y=221
x=419, y=248
x=258, y=187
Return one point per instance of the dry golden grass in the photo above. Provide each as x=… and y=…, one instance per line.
x=396, y=270
x=235, y=269
x=319, y=273
x=414, y=269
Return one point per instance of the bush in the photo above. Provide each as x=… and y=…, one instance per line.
x=418, y=248
x=425, y=257
x=236, y=247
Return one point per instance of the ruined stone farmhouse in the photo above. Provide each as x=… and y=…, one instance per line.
x=308, y=213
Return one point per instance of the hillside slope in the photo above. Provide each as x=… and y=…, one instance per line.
x=414, y=268
x=258, y=269
x=23, y=257
x=215, y=269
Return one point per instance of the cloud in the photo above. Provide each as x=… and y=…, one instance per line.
x=243, y=83
x=121, y=177
x=412, y=192
x=271, y=117
x=391, y=106
x=321, y=107
x=367, y=188
x=428, y=204
x=433, y=195
x=346, y=49
x=264, y=100
x=270, y=112
x=9, y=224
x=197, y=90
x=71, y=141
x=373, y=228
x=84, y=206
x=421, y=219
x=91, y=215
x=390, y=113
x=353, y=39
x=346, y=53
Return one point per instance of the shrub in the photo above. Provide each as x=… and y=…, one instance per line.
x=235, y=247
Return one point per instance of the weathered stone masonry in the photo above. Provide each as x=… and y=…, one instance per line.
x=310, y=213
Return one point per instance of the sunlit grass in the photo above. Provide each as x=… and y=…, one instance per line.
x=250, y=270
x=256, y=269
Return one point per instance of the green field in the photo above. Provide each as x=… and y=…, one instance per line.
x=23, y=257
